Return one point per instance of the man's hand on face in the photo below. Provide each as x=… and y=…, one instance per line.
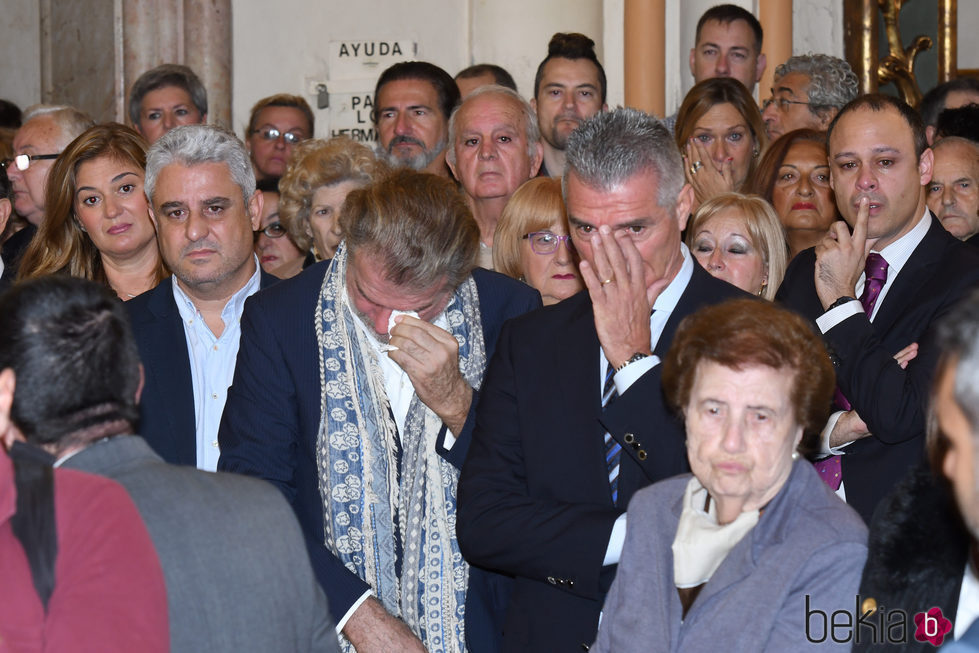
x=430, y=357
x=622, y=295
x=841, y=257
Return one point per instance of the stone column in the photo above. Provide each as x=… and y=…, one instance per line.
x=207, y=50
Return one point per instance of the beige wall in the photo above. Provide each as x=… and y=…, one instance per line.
x=283, y=46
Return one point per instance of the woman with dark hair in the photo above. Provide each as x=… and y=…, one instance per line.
x=97, y=226
x=79, y=569
x=721, y=134
x=753, y=540
x=794, y=176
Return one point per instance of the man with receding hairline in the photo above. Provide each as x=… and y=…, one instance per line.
x=953, y=192
x=906, y=270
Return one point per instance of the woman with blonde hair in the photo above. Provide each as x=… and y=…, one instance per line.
x=317, y=181
x=739, y=238
x=721, y=134
x=532, y=244
x=96, y=223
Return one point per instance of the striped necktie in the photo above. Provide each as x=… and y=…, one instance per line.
x=613, y=449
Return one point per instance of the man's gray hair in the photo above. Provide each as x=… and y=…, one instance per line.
x=958, y=341
x=612, y=147
x=832, y=83
x=71, y=121
x=531, y=128
x=191, y=145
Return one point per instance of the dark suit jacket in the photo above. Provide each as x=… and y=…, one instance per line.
x=534, y=497
x=892, y=401
x=238, y=577
x=272, y=415
x=166, y=410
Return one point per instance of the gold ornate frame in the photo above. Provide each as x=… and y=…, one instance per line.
x=861, y=28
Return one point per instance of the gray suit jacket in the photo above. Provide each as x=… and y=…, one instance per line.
x=237, y=572
x=808, y=546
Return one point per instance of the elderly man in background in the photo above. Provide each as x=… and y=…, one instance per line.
x=412, y=104
x=355, y=393
x=46, y=131
x=165, y=97
x=568, y=89
x=953, y=192
x=810, y=89
x=571, y=420
x=494, y=147
x=219, y=536
x=201, y=190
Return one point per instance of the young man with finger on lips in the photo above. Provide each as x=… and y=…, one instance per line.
x=875, y=291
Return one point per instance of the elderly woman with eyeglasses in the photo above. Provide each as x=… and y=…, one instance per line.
x=277, y=253
x=532, y=244
x=277, y=124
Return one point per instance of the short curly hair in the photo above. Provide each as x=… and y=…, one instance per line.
x=317, y=163
x=832, y=83
x=742, y=333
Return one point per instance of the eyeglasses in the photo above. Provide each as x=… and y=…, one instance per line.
x=273, y=134
x=544, y=242
x=274, y=230
x=782, y=103
x=23, y=161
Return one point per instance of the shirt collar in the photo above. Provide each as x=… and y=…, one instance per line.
x=668, y=299
x=897, y=253
x=232, y=310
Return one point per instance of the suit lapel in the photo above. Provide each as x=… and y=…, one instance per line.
x=914, y=279
x=170, y=365
x=578, y=354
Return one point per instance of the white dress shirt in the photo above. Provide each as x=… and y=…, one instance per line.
x=624, y=378
x=896, y=254
x=212, y=363
x=968, y=608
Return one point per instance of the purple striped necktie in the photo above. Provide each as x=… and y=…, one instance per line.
x=829, y=469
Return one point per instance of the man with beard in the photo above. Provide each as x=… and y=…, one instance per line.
x=412, y=104
x=569, y=87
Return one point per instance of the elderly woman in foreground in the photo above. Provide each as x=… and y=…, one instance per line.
x=753, y=542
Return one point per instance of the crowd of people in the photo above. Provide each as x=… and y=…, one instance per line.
x=524, y=376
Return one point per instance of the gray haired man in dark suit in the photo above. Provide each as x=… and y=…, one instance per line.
x=237, y=572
